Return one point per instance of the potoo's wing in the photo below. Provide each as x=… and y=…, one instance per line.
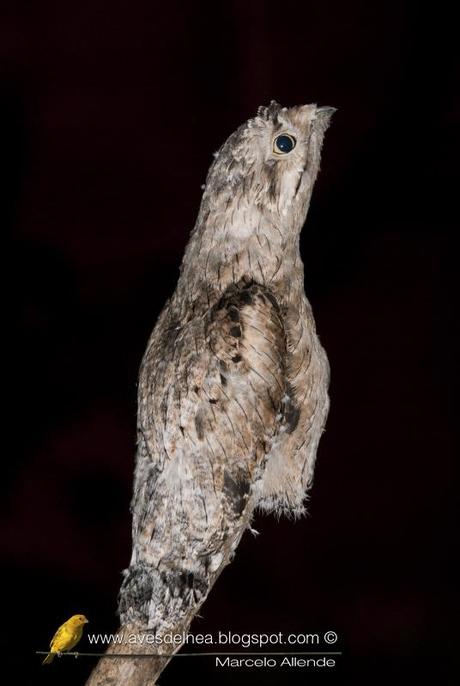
x=211, y=393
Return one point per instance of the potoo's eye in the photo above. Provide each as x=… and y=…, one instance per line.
x=283, y=144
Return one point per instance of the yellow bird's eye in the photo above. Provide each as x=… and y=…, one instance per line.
x=283, y=144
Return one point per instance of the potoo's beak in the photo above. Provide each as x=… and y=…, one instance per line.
x=326, y=110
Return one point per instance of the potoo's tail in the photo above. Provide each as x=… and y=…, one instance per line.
x=48, y=659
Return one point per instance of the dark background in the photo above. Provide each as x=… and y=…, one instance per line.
x=109, y=114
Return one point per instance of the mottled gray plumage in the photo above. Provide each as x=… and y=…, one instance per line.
x=233, y=384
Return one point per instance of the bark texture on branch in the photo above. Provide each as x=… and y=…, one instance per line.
x=142, y=671
x=233, y=385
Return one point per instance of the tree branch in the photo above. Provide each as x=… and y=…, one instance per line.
x=129, y=671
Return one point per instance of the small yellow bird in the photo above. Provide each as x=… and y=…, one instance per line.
x=66, y=637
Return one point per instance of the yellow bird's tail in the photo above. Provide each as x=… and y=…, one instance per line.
x=48, y=659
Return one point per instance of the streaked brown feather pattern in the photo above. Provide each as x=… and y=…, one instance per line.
x=233, y=384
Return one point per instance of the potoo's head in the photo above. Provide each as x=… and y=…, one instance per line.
x=271, y=161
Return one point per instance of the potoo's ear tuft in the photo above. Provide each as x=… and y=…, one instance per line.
x=270, y=112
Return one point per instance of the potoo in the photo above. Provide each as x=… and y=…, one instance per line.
x=233, y=384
